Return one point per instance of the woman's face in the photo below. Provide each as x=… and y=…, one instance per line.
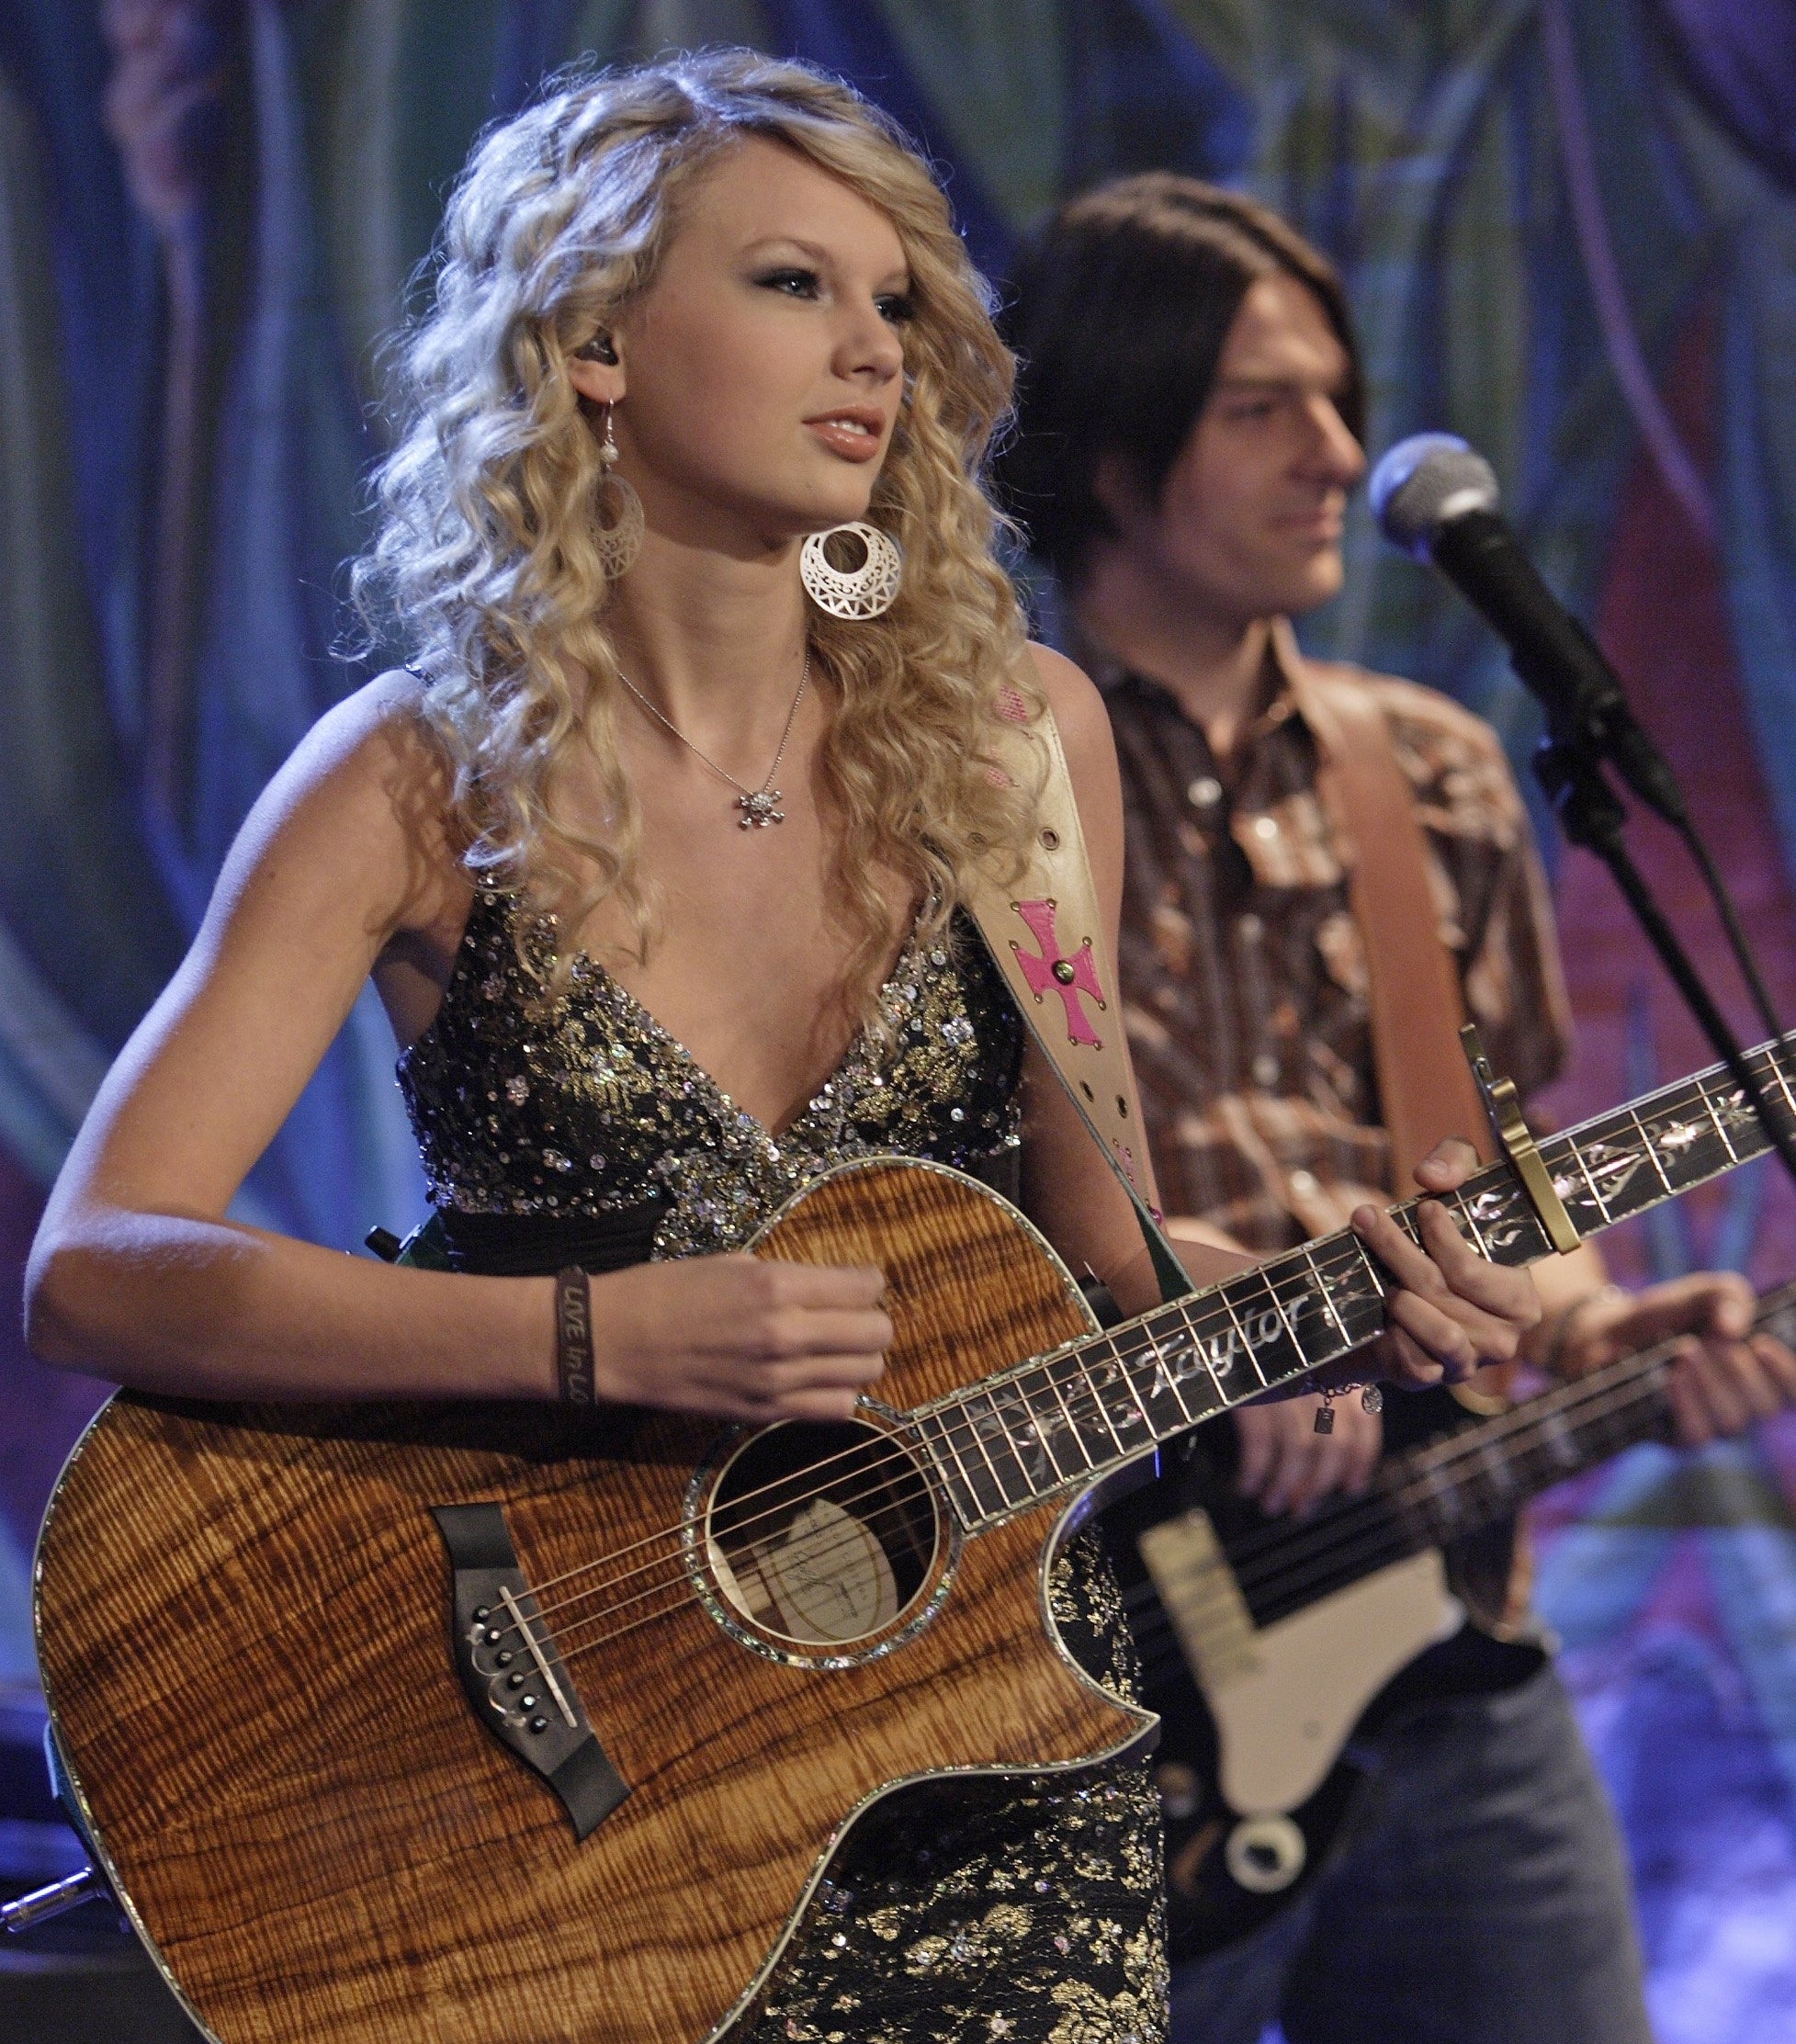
x=760, y=375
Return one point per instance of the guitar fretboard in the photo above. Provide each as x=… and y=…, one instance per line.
x=1058, y=1421
x=1468, y=1480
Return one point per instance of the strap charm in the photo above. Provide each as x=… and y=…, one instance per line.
x=1504, y=1107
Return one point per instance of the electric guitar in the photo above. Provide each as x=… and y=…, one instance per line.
x=438, y=1724
x=1272, y=1647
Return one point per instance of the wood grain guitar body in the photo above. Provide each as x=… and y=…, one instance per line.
x=245, y=1630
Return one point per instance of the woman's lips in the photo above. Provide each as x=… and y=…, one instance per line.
x=853, y=435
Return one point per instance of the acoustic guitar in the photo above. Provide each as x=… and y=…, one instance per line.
x=1272, y=1647
x=454, y=1724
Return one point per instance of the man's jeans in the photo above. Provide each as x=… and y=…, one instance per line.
x=1481, y=1899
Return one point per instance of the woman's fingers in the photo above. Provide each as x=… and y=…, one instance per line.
x=1286, y=1466
x=741, y=1337
x=1450, y=1311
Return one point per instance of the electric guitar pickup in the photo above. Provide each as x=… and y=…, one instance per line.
x=1272, y=1646
x=442, y=1723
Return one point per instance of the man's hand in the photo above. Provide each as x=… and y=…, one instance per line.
x=1726, y=1378
x=1287, y=1466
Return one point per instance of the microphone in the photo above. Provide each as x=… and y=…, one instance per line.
x=1437, y=499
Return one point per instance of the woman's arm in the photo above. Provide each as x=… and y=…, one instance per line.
x=138, y=1275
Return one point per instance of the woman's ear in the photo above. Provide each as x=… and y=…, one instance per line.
x=596, y=370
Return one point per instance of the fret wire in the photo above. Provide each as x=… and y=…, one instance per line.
x=973, y=1508
x=1327, y=1302
x=1072, y=1425
x=1371, y=1263
x=1467, y=1215
x=1776, y=1064
x=1578, y=1156
x=1128, y=1379
x=1103, y=1410
x=1201, y=1352
x=1278, y=1307
x=1720, y=1127
x=1042, y=1435
x=1652, y=1155
x=1241, y=1335
x=979, y=1442
x=1173, y=1383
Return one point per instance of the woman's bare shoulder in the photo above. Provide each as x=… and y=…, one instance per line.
x=1079, y=716
x=362, y=802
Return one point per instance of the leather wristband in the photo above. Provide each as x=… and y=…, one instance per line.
x=574, y=1379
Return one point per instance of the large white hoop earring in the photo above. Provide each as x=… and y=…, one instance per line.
x=620, y=538
x=854, y=592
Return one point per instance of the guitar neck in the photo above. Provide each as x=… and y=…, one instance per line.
x=1453, y=1487
x=1059, y=1421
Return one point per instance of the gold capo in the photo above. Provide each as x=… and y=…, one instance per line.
x=1517, y=1144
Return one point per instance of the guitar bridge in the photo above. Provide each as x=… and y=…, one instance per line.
x=510, y=1672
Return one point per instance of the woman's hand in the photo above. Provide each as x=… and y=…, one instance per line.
x=1452, y=1311
x=740, y=1338
x=1287, y=1466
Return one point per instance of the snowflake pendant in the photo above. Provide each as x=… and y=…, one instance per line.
x=759, y=809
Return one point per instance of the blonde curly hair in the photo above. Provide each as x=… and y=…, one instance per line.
x=486, y=559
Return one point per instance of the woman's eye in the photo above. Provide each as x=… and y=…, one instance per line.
x=898, y=307
x=794, y=283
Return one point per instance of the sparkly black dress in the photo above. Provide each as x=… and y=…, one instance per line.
x=957, y=1913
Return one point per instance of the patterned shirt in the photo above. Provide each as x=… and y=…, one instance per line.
x=1243, y=971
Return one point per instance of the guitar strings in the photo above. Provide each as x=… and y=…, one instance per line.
x=1154, y=1657
x=1344, y=1563
x=1614, y=1391
x=1356, y=1533
x=1641, y=1383
x=1089, y=1393
x=844, y=1541
x=1087, y=1402
x=691, y=1597
x=1577, y=1400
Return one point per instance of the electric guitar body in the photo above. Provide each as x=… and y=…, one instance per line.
x=332, y=1813
x=1270, y=1650
x=1273, y=1650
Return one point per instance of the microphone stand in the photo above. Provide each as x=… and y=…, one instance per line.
x=1569, y=765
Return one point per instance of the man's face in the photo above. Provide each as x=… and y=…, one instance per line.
x=1249, y=522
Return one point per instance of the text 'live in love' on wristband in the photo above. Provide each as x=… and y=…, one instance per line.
x=574, y=1337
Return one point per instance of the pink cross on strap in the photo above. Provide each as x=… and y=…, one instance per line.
x=1055, y=972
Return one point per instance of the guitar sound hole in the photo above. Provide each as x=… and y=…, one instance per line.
x=822, y=1534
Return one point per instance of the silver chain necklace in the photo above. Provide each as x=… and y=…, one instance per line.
x=760, y=806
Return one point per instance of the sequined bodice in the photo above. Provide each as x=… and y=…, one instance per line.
x=590, y=1106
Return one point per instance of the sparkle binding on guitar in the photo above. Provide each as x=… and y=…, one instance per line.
x=449, y=1723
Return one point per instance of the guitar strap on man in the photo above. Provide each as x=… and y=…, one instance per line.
x=1425, y=1087
x=1044, y=931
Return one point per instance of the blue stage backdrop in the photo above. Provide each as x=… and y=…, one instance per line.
x=1569, y=232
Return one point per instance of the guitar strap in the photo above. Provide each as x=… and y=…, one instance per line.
x=1425, y=1087
x=1044, y=932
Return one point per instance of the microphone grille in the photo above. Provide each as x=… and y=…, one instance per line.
x=1426, y=481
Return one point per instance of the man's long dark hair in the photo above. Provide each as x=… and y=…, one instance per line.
x=1119, y=309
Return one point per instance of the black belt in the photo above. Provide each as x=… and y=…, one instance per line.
x=538, y=1245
